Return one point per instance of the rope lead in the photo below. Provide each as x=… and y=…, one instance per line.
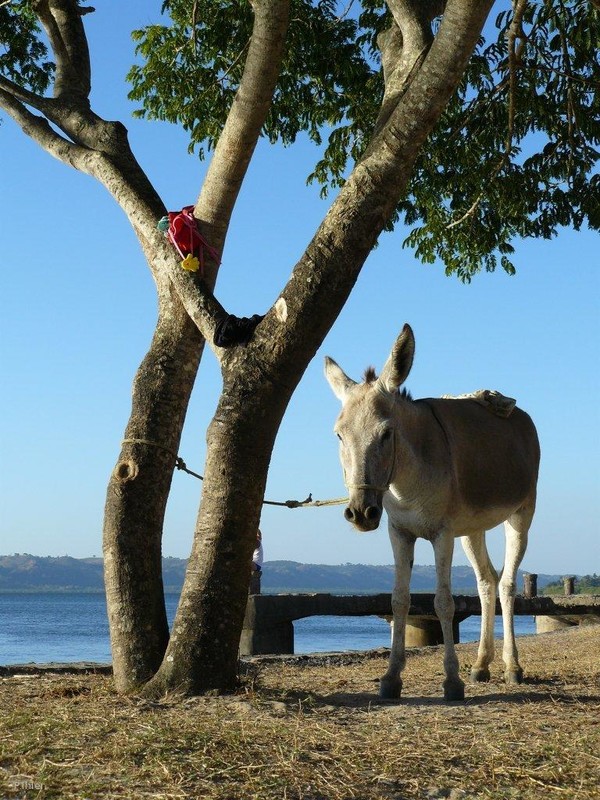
x=181, y=465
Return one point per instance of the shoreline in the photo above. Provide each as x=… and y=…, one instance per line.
x=315, y=659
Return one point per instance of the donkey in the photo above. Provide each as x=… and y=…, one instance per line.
x=441, y=468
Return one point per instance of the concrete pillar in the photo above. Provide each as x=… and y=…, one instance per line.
x=427, y=631
x=548, y=624
x=266, y=639
x=569, y=585
x=529, y=584
x=255, y=582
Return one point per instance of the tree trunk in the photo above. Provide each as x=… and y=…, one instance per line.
x=137, y=496
x=420, y=75
x=202, y=650
x=139, y=487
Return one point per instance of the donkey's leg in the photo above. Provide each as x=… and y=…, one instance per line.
x=516, y=528
x=403, y=546
x=443, y=547
x=487, y=585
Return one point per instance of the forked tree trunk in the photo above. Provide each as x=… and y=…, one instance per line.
x=259, y=381
x=420, y=74
x=136, y=502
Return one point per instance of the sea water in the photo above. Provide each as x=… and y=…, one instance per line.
x=44, y=627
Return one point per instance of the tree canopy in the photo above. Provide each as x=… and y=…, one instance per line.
x=514, y=155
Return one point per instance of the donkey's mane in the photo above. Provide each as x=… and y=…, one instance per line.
x=371, y=377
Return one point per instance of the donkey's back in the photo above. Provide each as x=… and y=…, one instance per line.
x=494, y=460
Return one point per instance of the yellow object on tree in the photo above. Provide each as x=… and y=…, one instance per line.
x=190, y=263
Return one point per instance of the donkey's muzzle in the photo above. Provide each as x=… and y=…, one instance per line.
x=366, y=519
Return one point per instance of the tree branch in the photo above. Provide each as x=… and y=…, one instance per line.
x=39, y=129
x=24, y=95
x=116, y=168
x=61, y=20
x=335, y=256
x=70, y=110
x=515, y=31
x=414, y=21
x=245, y=120
x=101, y=149
x=403, y=47
x=227, y=169
x=81, y=125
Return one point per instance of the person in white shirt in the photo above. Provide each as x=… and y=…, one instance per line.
x=257, y=564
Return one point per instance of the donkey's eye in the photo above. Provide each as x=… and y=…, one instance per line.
x=386, y=435
x=338, y=436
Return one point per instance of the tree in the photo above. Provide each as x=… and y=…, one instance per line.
x=405, y=73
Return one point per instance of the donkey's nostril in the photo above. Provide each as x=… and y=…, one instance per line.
x=349, y=514
x=372, y=513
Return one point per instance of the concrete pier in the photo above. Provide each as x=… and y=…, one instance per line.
x=269, y=621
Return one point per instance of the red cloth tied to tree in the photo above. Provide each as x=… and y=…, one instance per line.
x=184, y=235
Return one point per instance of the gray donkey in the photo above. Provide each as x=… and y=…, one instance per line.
x=441, y=468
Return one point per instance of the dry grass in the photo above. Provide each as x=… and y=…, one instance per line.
x=316, y=732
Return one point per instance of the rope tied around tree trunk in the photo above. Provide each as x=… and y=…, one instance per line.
x=181, y=465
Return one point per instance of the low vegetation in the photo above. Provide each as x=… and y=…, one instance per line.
x=586, y=584
x=313, y=729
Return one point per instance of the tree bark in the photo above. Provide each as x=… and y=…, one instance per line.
x=137, y=496
x=202, y=650
x=140, y=484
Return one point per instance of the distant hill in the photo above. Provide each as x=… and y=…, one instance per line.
x=22, y=572
x=291, y=576
x=25, y=573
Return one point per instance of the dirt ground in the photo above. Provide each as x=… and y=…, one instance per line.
x=313, y=729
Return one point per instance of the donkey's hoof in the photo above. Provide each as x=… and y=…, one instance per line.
x=480, y=675
x=390, y=688
x=513, y=675
x=454, y=690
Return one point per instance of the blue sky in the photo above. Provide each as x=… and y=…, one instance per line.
x=78, y=309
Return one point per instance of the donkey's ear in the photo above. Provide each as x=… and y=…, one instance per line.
x=400, y=360
x=337, y=379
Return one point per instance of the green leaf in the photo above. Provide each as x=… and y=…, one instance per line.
x=23, y=55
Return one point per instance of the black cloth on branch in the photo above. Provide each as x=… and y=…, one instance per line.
x=232, y=330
